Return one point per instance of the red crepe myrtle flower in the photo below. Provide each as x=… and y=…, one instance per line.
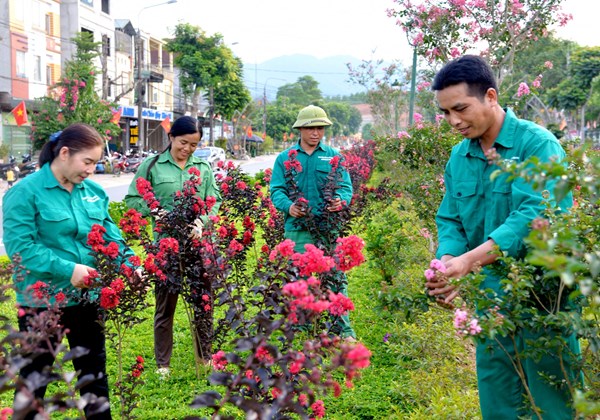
x=108, y=298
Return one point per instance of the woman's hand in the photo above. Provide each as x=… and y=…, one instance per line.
x=80, y=274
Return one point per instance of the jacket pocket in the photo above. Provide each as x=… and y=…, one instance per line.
x=54, y=215
x=465, y=195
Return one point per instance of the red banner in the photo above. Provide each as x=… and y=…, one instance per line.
x=20, y=114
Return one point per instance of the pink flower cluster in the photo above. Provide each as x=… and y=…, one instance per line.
x=523, y=90
x=434, y=266
x=463, y=325
x=348, y=252
x=313, y=261
x=219, y=360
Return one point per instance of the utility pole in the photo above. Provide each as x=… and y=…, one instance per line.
x=211, y=116
x=141, y=82
x=413, y=82
x=141, y=90
x=264, y=130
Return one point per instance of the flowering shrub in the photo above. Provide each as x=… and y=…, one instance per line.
x=126, y=390
x=74, y=99
x=416, y=165
x=122, y=291
x=19, y=348
x=263, y=376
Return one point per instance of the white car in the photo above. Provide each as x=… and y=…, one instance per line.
x=213, y=155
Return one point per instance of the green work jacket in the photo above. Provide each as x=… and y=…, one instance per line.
x=475, y=208
x=167, y=178
x=315, y=168
x=48, y=227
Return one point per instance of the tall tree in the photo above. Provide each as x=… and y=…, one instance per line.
x=575, y=92
x=345, y=118
x=385, y=87
x=304, y=91
x=442, y=29
x=74, y=98
x=205, y=63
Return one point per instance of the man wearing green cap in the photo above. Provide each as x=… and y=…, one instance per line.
x=314, y=156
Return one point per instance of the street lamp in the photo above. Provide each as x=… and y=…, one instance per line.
x=140, y=80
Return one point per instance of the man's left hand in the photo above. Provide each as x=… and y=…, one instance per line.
x=335, y=205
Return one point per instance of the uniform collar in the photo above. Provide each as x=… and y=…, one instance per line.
x=49, y=181
x=505, y=138
x=300, y=149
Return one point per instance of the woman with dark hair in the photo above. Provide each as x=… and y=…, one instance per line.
x=47, y=217
x=167, y=173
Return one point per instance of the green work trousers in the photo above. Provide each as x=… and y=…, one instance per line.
x=502, y=393
x=342, y=323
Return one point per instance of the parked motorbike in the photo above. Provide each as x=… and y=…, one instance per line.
x=133, y=162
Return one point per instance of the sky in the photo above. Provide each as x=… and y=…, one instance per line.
x=258, y=30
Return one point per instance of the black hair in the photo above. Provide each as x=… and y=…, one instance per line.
x=76, y=137
x=470, y=69
x=182, y=126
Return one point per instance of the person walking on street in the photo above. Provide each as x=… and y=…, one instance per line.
x=480, y=215
x=47, y=218
x=167, y=173
x=314, y=157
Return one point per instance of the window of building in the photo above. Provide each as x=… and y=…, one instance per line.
x=49, y=80
x=37, y=15
x=106, y=45
x=106, y=6
x=88, y=32
x=88, y=2
x=37, y=68
x=21, y=67
x=155, y=95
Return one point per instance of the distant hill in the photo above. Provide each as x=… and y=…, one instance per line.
x=330, y=72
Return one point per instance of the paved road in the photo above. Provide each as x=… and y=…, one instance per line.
x=116, y=187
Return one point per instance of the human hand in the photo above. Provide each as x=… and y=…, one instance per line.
x=297, y=211
x=335, y=205
x=80, y=274
x=197, y=228
x=439, y=284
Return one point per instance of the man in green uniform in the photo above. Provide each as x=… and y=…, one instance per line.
x=478, y=215
x=314, y=156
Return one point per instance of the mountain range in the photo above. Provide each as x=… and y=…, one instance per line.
x=331, y=73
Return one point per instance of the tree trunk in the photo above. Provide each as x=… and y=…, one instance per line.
x=195, y=98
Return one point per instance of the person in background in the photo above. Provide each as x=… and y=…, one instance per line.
x=479, y=215
x=47, y=217
x=10, y=177
x=167, y=173
x=314, y=156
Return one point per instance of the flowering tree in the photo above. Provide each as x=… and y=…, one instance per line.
x=445, y=29
x=384, y=92
x=269, y=374
x=74, y=99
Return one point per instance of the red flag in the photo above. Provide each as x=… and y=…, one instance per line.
x=116, y=116
x=166, y=124
x=20, y=114
x=249, y=132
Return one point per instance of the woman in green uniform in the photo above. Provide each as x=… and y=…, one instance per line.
x=47, y=218
x=166, y=173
